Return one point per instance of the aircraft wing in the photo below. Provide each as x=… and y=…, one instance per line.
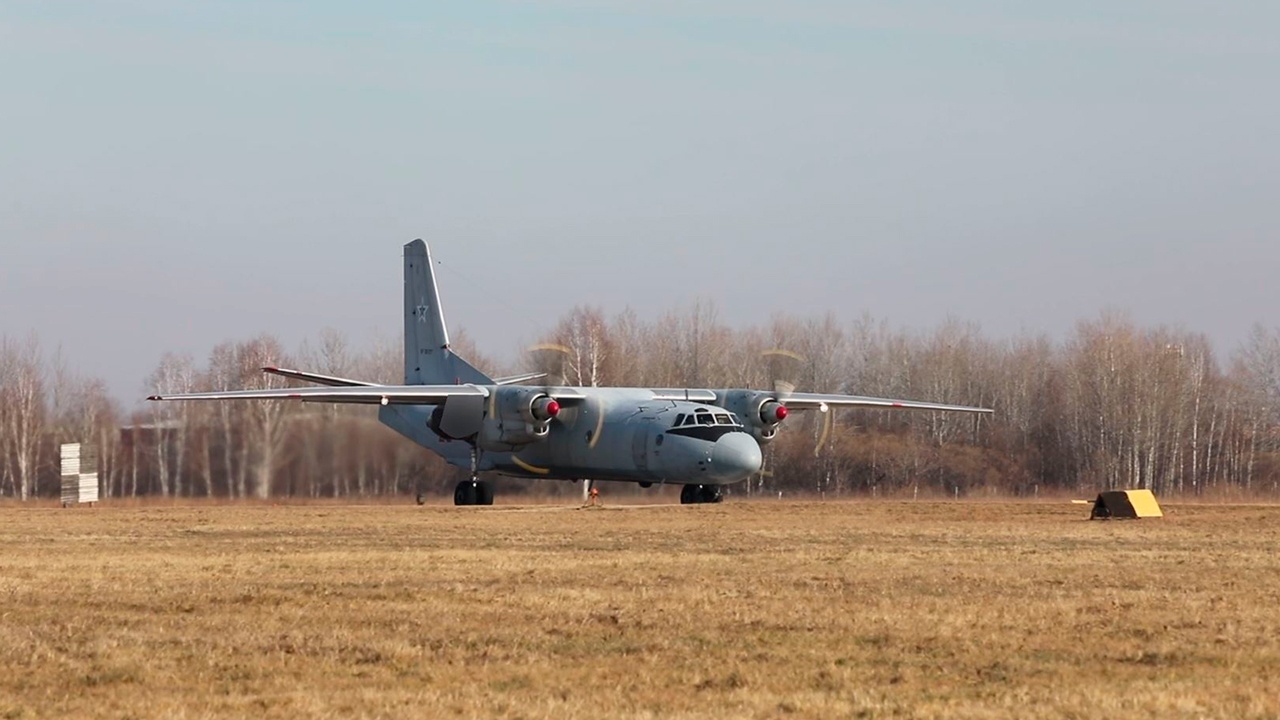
x=802, y=401
x=372, y=395
x=369, y=394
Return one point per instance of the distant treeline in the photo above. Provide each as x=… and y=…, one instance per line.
x=1113, y=405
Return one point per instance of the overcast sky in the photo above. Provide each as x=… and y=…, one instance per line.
x=174, y=174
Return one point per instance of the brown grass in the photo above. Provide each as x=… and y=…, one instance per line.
x=748, y=609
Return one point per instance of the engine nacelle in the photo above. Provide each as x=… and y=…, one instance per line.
x=516, y=416
x=760, y=411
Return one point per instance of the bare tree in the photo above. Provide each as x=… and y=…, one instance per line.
x=698, y=336
x=8, y=373
x=1258, y=366
x=224, y=374
x=628, y=339
x=22, y=394
x=1260, y=360
x=584, y=335
x=175, y=374
x=323, y=446
x=266, y=419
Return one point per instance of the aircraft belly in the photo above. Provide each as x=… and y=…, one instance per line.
x=526, y=465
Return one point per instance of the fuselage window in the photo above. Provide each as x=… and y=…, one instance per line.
x=658, y=442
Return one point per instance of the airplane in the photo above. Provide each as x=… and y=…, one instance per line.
x=700, y=438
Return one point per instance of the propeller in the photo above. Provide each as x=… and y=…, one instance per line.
x=544, y=357
x=552, y=357
x=784, y=364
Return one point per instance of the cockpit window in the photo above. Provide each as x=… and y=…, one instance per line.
x=709, y=424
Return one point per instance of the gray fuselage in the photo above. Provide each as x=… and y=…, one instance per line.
x=613, y=434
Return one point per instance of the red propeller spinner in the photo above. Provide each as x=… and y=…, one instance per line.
x=773, y=412
x=546, y=408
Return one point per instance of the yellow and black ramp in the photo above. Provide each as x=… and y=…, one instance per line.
x=1126, y=504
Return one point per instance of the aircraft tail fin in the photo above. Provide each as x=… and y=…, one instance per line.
x=428, y=359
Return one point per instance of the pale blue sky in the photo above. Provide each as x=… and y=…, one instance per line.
x=174, y=174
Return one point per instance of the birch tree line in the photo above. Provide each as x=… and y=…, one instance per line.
x=1111, y=405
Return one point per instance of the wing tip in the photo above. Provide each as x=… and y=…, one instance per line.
x=154, y=397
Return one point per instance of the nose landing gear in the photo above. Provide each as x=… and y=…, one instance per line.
x=699, y=494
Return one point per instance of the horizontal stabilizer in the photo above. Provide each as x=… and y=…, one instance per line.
x=329, y=380
x=518, y=379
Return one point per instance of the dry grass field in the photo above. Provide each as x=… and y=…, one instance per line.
x=743, y=610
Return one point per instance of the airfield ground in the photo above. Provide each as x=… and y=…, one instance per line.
x=746, y=609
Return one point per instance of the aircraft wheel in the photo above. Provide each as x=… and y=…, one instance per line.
x=689, y=494
x=484, y=493
x=465, y=493
x=709, y=494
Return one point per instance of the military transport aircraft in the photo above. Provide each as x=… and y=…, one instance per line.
x=702, y=439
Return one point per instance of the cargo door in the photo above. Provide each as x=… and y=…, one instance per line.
x=641, y=432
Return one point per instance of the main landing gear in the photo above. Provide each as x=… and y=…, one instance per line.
x=474, y=491
x=698, y=494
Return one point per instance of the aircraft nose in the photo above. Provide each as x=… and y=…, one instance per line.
x=735, y=457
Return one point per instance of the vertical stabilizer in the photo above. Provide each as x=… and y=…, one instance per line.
x=428, y=360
